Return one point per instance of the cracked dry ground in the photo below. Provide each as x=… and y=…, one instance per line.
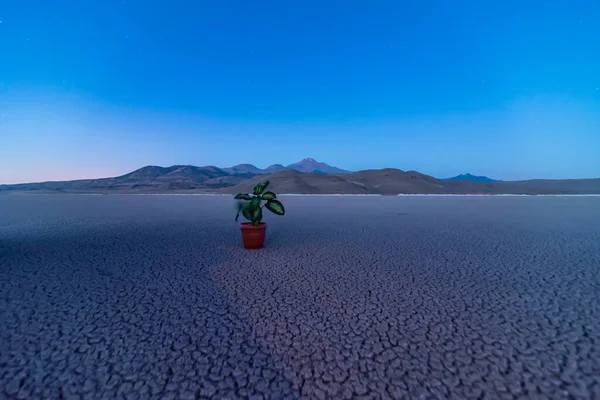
x=353, y=297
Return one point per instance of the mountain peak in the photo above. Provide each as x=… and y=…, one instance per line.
x=243, y=169
x=274, y=168
x=244, y=165
x=470, y=177
x=311, y=165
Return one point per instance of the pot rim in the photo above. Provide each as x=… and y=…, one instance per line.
x=248, y=225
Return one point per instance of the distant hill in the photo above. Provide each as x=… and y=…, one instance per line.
x=472, y=178
x=550, y=186
x=392, y=181
x=244, y=169
x=292, y=181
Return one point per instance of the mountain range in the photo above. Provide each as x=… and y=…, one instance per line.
x=304, y=177
x=309, y=165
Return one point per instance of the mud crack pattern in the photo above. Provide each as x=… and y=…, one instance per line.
x=363, y=298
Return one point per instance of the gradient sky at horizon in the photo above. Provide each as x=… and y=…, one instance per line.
x=507, y=89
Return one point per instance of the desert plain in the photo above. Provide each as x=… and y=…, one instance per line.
x=153, y=296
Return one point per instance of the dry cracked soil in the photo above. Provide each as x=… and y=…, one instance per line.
x=125, y=296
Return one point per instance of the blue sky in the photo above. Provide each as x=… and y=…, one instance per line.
x=508, y=89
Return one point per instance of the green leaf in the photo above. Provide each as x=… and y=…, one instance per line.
x=268, y=196
x=247, y=212
x=258, y=189
x=255, y=202
x=256, y=216
x=275, y=207
x=243, y=196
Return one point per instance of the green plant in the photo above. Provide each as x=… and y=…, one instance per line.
x=252, y=209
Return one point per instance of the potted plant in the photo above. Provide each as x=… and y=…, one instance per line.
x=253, y=232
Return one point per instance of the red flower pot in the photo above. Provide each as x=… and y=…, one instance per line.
x=253, y=236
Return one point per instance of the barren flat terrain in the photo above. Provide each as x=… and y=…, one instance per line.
x=353, y=297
